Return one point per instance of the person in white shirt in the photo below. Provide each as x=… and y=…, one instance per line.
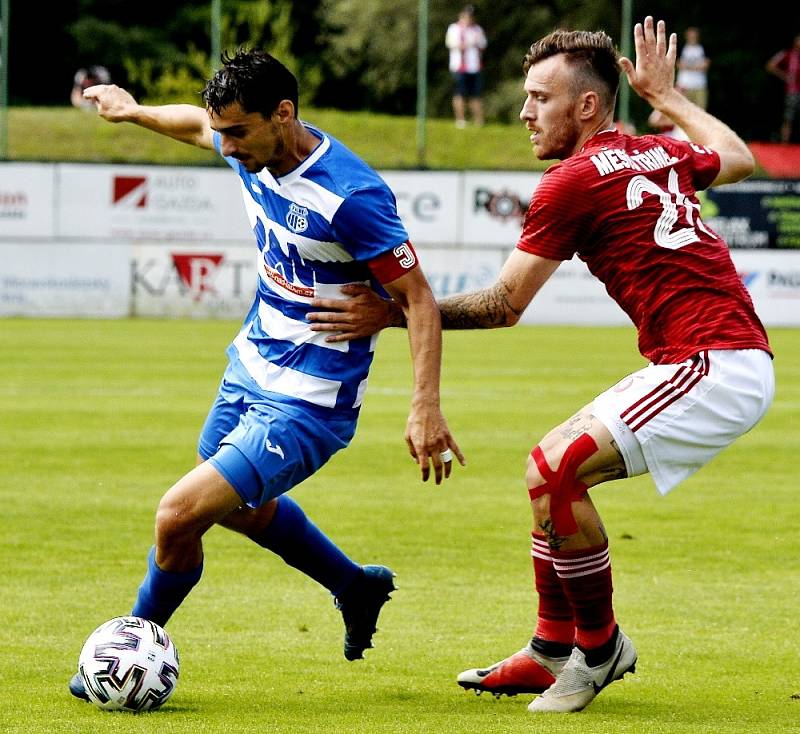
x=692, y=69
x=466, y=41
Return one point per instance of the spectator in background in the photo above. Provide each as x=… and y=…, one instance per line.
x=466, y=41
x=692, y=69
x=85, y=78
x=786, y=66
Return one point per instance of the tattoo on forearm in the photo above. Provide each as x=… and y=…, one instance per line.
x=554, y=540
x=486, y=309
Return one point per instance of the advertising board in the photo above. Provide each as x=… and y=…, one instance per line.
x=150, y=202
x=46, y=278
x=195, y=281
x=26, y=200
x=429, y=203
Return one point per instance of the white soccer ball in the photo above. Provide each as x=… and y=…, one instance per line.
x=129, y=663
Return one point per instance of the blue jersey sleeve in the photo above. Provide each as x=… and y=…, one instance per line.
x=367, y=223
x=232, y=162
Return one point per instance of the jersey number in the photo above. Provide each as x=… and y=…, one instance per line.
x=672, y=201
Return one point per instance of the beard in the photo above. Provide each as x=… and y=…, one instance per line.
x=559, y=141
x=272, y=155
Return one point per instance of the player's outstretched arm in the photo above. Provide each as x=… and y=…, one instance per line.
x=652, y=77
x=184, y=122
x=501, y=304
x=427, y=434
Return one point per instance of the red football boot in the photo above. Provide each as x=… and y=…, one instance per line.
x=526, y=671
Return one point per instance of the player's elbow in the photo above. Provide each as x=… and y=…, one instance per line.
x=749, y=164
x=742, y=165
x=736, y=167
x=512, y=318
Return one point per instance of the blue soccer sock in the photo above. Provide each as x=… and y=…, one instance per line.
x=305, y=547
x=162, y=592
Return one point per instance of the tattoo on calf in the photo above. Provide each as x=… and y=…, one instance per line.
x=554, y=540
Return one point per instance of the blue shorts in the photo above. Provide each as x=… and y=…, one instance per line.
x=264, y=448
x=467, y=85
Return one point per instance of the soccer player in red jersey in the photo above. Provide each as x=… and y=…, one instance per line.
x=627, y=206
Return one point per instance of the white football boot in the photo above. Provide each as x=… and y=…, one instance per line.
x=577, y=684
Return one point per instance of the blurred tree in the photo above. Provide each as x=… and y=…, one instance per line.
x=370, y=49
x=365, y=52
x=172, y=62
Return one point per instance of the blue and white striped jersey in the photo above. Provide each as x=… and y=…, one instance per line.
x=316, y=228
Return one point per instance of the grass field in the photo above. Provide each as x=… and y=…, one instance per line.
x=384, y=141
x=98, y=418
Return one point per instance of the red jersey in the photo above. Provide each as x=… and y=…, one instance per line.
x=627, y=205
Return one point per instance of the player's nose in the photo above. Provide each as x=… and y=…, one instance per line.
x=227, y=146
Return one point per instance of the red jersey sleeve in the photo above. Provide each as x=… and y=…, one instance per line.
x=705, y=162
x=559, y=216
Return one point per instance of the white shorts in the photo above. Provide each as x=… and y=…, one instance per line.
x=672, y=419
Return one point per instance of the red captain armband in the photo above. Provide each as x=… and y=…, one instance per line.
x=392, y=264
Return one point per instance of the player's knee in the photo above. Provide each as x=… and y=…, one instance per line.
x=553, y=479
x=533, y=477
x=539, y=489
x=173, y=524
x=551, y=451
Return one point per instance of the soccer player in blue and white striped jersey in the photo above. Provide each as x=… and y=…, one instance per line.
x=289, y=399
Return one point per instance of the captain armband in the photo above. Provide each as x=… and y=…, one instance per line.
x=394, y=263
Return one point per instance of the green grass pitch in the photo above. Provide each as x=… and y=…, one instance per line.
x=98, y=418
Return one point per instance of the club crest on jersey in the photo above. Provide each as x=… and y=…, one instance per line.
x=297, y=218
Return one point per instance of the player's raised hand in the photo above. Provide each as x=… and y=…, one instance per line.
x=113, y=103
x=653, y=75
x=430, y=442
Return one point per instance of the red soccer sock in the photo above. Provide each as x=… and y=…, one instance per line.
x=585, y=576
x=556, y=621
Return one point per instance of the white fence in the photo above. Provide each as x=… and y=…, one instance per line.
x=111, y=241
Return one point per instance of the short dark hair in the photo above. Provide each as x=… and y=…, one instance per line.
x=591, y=53
x=254, y=79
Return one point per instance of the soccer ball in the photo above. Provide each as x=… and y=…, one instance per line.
x=129, y=663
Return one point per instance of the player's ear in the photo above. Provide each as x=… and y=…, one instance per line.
x=589, y=105
x=284, y=112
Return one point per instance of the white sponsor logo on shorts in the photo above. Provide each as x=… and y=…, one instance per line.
x=276, y=449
